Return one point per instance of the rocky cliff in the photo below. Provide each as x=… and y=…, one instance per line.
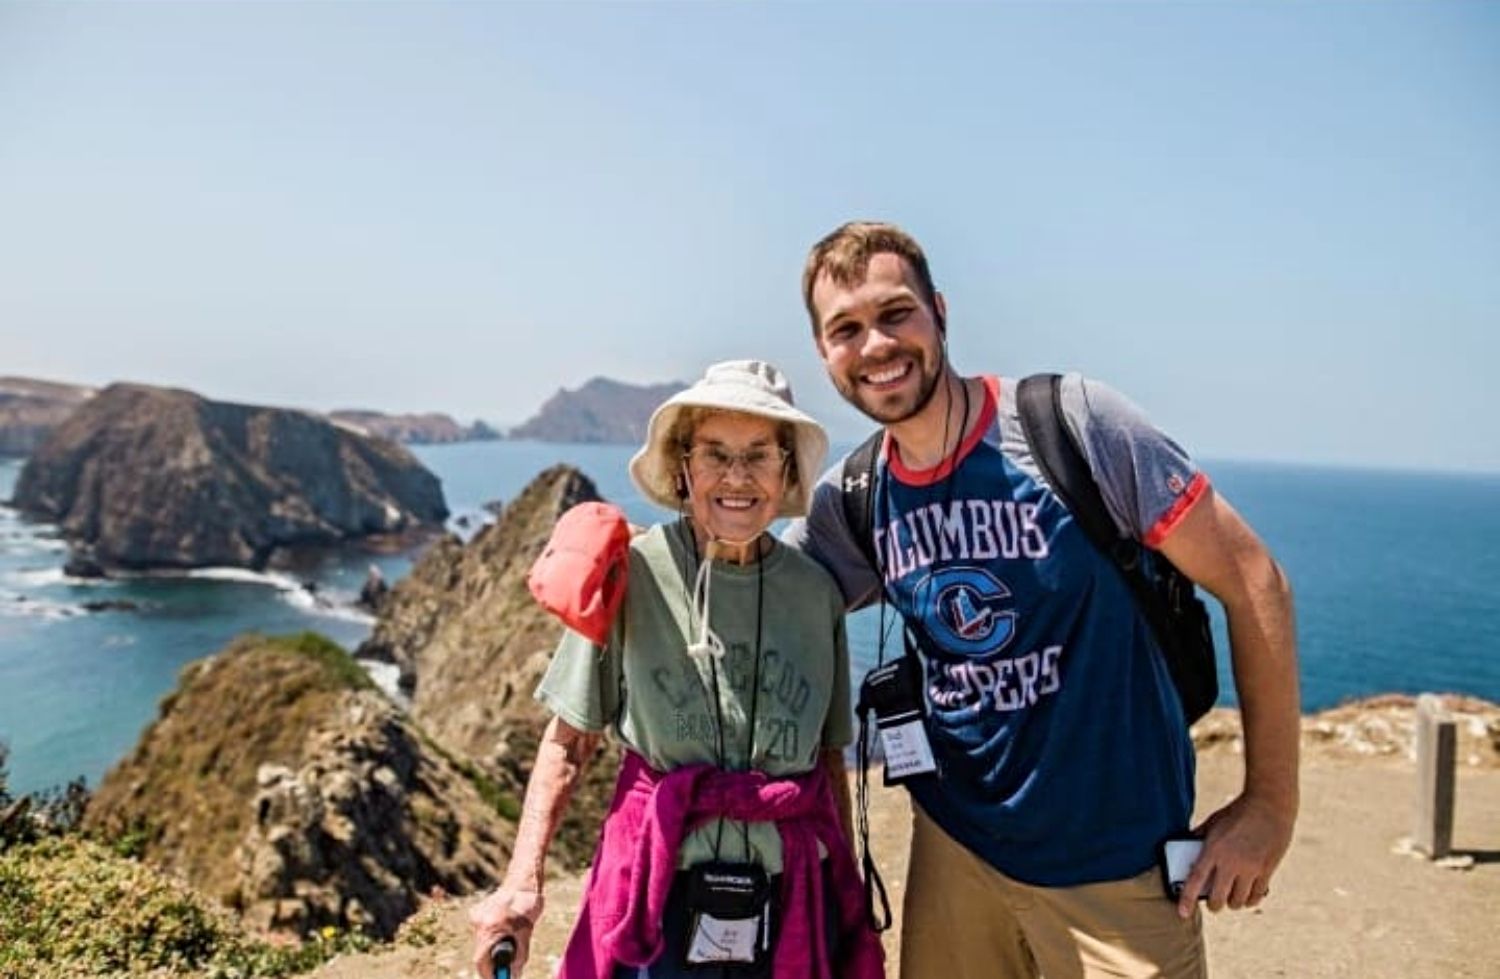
x=423, y=429
x=279, y=781
x=141, y=477
x=31, y=409
x=600, y=411
x=472, y=645
x=1373, y=727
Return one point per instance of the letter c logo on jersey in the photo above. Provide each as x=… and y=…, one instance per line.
x=968, y=612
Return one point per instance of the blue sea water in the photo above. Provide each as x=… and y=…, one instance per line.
x=1397, y=577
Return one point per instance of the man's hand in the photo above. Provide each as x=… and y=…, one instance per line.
x=1242, y=845
x=506, y=912
x=1246, y=839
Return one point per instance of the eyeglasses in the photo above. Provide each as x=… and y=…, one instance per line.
x=761, y=462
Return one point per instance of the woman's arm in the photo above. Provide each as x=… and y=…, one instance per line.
x=838, y=779
x=515, y=907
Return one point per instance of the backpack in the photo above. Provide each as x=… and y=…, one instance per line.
x=1164, y=595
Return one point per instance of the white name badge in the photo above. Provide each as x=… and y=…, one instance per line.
x=907, y=751
x=717, y=940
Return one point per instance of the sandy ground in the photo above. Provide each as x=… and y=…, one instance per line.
x=1344, y=903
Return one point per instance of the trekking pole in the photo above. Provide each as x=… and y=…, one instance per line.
x=501, y=954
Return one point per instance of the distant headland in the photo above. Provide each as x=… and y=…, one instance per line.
x=427, y=428
x=30, y=409
x=602, y=411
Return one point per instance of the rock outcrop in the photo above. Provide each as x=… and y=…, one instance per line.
x=601, y=411
x=472, y=644
x=1382, y=727
x=278, y=780
x=142, y=477
x=31, y=409
x=424, y=429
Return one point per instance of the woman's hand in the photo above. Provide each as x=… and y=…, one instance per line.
x=507, y=912
x=514, y=909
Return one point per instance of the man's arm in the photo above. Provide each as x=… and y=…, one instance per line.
x=1246, y=839
x=824, y=536
x=514, y=908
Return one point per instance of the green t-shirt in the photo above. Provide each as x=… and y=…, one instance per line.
x=658, y=699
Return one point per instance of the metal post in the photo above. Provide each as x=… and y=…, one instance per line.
x=1437, y=751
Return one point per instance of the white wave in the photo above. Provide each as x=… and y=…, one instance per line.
x=22, y=538
x=45, y=577
x=322, y=601
x=299, y=598
x=387, y=677
x=273, y=579
x=347, y=613
x=328, y=603
x=468, y=522
x=28, y=547
x=16, y=605
x=319, y=601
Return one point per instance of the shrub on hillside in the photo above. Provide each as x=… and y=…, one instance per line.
x=32, y=816
x=70, y=907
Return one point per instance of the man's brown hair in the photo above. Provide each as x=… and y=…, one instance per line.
x=844, y=256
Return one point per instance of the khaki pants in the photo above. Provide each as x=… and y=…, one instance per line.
x=963, y=919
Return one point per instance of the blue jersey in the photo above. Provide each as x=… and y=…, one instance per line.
x=1062, y=750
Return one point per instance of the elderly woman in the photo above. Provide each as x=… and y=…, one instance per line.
x=725, y=674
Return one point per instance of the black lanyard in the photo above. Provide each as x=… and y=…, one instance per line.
x=716, y=700
x=874, y=885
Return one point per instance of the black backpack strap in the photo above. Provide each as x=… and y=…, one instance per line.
x=1177, y=618
x=1039, y=403
x=857, y=491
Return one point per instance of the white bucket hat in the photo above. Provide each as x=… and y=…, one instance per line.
x=748, y=387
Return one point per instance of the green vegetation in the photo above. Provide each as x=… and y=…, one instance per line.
x=254, y=701
x=324, y=651
x=35, y=815
x=76, y=904
x=88, y=900
x=496, y=796
x=70, y=907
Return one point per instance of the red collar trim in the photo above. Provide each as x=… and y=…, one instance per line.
x=926, y=477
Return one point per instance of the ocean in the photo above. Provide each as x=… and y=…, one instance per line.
x=1397, y=577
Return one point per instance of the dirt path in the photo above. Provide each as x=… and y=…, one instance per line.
x=1343, y=904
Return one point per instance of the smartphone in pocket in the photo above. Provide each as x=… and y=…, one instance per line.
x=1178, y=854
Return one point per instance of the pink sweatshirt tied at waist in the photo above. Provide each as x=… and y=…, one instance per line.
x=620, y=922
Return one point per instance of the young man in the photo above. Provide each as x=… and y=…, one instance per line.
x=1063, y=760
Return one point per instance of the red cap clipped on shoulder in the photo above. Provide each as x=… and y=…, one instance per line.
x=581, y=573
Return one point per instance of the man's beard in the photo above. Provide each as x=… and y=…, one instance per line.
x=869, y=406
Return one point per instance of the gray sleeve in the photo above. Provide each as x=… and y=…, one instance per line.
x=825, y=536
x=1148, y=481
x=582, y=682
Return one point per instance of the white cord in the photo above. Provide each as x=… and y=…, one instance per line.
x=709, y=643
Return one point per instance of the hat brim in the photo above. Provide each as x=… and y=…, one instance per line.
x=655, y=466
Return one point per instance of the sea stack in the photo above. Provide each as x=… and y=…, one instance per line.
x=142, y=477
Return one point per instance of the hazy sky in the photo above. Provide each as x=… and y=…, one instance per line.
x=1276, y=225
